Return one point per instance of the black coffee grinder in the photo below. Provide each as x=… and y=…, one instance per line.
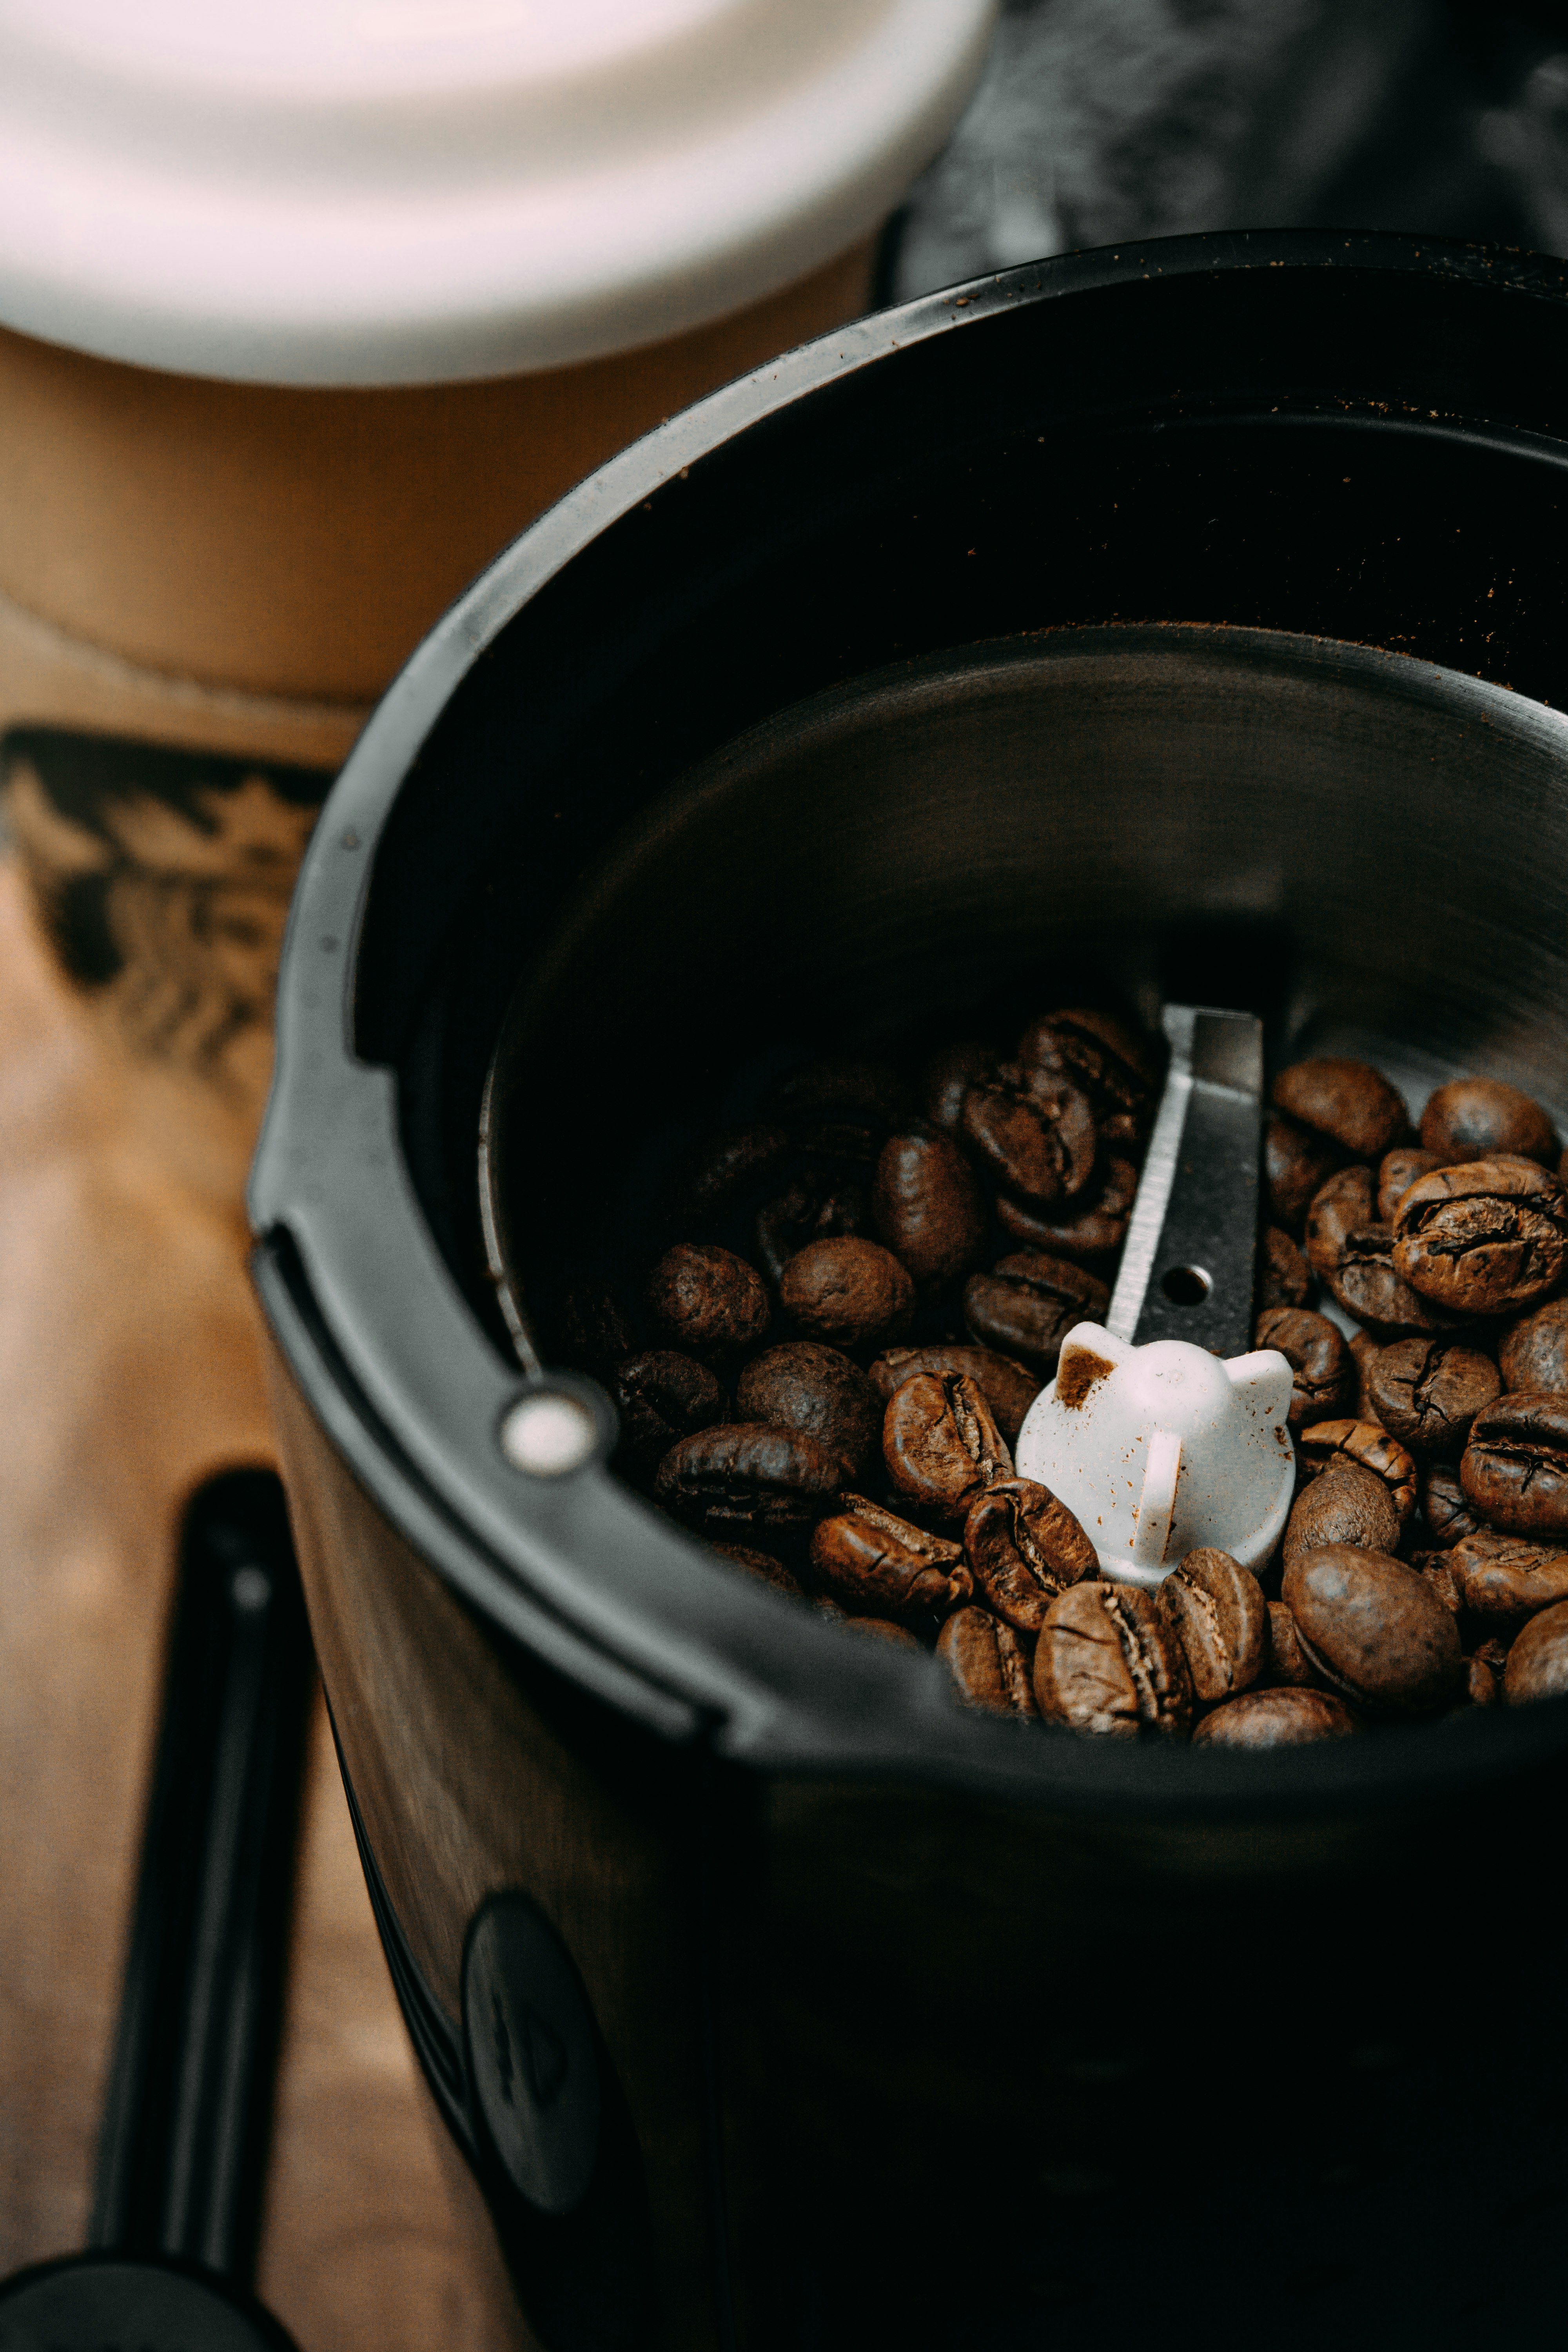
x=1193, y=612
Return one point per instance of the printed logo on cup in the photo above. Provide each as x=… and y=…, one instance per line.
x=163, y=878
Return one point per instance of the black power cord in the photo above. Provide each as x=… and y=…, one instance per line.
x=187, y=2115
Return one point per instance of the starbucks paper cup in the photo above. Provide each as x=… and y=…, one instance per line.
x=304, y=312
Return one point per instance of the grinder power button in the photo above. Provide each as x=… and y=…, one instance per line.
x=532, y=2053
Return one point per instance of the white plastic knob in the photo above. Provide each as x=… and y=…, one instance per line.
x=1163, y=1449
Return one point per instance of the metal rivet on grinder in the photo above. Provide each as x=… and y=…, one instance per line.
x=549, y=1434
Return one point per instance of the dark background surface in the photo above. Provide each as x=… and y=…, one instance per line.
x=1104, y=120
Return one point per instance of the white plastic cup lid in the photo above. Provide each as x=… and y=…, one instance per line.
x=418, y=191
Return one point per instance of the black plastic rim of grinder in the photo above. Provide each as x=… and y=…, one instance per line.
x=1454, y=347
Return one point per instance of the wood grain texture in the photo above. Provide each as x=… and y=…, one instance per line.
x=128, y=1372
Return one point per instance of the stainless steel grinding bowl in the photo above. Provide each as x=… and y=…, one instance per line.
x=1360, y=845
x=1121, y=616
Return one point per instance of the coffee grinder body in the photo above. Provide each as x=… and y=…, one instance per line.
x=1170, y=602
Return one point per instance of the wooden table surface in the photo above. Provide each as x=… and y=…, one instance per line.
x=129, y=1373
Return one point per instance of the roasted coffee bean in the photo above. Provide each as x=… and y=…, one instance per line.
x=1472, y=1118
x=1106, y=1057
x=1037, y=1133
x=1024, y=1547
x=841, y=1086
x=662, y=1396
x=1216, y=1610
x=1107, y=1662
x=1349, y=1102
x=1445, y=1506
x=1028, y=1303
x=1365, y=1286
x=1374, y=1628
x=1477, y=1686
x=741, y=1475
x=1486, y=1238
x=1347, y=1505
x=819, y=1205
x=597, y=1329
x=1296, y=1166
x=1514, y=1471
x=847, y=1148
x=1504, y=1579
x=947, y=1078
x=927, y=1205
x=1323, y=1373
x=1534, y=1351
x=881, y=1629
x=806, y=1387
x=1008, y=1388
x=1284, y=1276
x=760, y=1564
x=724, y=1167
x=1427, y=1393
x=1538, y=1661
x=710, y=1301
x=878, y=1562
x=1368, y=1285
x=1365, y=1442
x=850, y=1293
x=1493, y=1652
x=1099, y=1050
x=1436, y=1567
x=1397, y=1171
x=1091, y=1232
x=989, y=1666
x=941, y=1443
x=1345, y=1204
x=1364, y=1353
x=1354, y=1255
x=1275, y=1718
x=1285, y=1661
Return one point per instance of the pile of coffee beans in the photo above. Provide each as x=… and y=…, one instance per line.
x=858, y=1293
x=1424, y=1566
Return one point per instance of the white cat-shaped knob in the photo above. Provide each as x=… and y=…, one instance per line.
x=1163, y=1449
